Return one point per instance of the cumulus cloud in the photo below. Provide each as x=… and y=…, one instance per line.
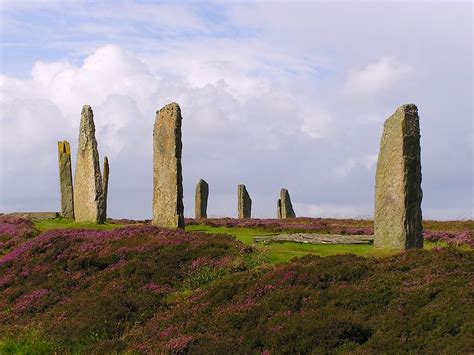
x=376, y=77
x=273, y=95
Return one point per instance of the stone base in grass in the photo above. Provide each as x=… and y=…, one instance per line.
x=317, y=238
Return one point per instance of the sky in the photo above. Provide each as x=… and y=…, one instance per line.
x=273, y=95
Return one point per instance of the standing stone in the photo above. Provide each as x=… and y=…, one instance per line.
x=244, y=202
x=65, y=180
x=88, y=196
x=285, y=208
x=397, y=217
x=279, y=208
x=200, y=202
x=168, y=208
x=105, y=187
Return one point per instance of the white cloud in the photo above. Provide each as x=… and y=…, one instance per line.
x=376, y=77
x=273, y=95
x=368, y=162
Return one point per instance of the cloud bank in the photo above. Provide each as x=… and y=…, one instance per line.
x=267, y=101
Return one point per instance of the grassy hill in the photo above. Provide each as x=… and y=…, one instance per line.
x=136, y=288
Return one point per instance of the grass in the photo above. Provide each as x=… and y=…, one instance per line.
x=245, y=235
x=273, y=253
x=61, y=223
x=277, y=253
x=28, y=343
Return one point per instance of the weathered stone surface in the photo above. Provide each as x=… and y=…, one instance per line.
x=200, y=201
x=285, y=208
x=65, y=180
x=312, y=238
x=168, y=208
x=105, y=187
x=88, y=196
x=244, y=202
x=279, y=208
x=398, y=195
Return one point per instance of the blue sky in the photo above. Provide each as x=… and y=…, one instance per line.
x=273, y=94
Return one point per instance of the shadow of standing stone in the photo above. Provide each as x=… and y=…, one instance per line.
x=65, y=180
x=398, y=194
x=168, y=208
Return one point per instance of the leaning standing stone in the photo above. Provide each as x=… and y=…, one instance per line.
x=397, y=217
x=285, y=206
x=65, y=180
x=200, y=202
x=244, y=202
x=168, y=208
x=88, y=198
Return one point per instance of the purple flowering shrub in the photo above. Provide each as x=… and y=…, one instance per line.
x=417, y=301
x=453, y=238
x=293, y=225
x=84, y=284
x=451, y=232
x=14, y=231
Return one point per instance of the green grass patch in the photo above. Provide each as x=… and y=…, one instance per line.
x=245, y=235
x=276, y=253
x=61, y=223
x=28, y=343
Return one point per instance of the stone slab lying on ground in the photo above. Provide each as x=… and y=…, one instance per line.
x=317, y=238
x=33, y=215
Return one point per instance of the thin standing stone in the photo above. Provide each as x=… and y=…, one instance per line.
x=398, y=194
x=244, y=202
x=168, y=208
x=88, y=197
x=65, y=180
x=279, y=208
x=200, y=202
x=105, y=186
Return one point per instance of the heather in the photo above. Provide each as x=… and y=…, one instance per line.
x=415, y=302
x=83, y=286
x=450, y=232
x=292, y=225
x=138, y=288
x=14, y=231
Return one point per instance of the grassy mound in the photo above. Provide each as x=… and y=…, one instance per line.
x=145, y=289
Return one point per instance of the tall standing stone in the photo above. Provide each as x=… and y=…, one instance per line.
x=285, y=208
x=65, y=179
x=168, y=208
x=105, y=187
x=200, y=202
x=398, y=195
x=88, y=195
x=244, y=202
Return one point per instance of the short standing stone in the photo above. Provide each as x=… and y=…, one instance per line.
x=279, y=208
x=244, y=202
x=285, y=206
x=105, y=187
x=65, y=180
x=398, y=194
x=88, y=196
x=200, y=202
x=168, y=208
